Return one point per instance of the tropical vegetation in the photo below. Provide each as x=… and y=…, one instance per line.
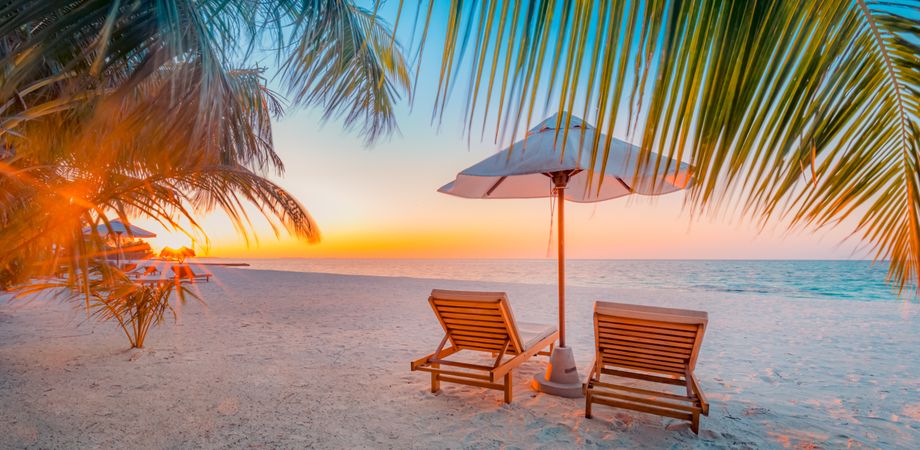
x=125, y=108
x=111, y=295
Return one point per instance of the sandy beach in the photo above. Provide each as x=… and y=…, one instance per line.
x=295, y=360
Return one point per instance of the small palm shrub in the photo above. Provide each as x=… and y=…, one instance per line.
x=136, y=307
x=108, y=295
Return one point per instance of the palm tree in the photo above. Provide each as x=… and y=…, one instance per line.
x=804, y=110
x=149, y=108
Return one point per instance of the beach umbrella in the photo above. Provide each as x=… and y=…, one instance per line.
x=552, y=161
x=119, y=228
x=179, y=255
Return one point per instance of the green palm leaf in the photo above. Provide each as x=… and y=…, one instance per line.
x=805, y=110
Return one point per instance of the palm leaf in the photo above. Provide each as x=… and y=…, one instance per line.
x=136, y=108
x=345, y=58
x=805, y=110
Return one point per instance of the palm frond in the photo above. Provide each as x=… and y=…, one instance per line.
x=142, y=108
x=159, y=127
x=805, y=110
x=345, y=58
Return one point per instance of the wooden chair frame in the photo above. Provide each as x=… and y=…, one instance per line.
x=664, y=347
x=480, y=316
x=184, y=272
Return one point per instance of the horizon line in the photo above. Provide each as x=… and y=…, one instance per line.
x=334, y=258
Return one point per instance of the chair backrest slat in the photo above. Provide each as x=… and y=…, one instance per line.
x=645, y=338
x=476, y=320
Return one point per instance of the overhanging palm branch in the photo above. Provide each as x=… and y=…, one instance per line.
x=119, y=164
x=806, y=110
x=368, y=74
x=136, y=108
x=103, y=44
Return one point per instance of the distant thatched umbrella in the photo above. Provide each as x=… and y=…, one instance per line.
x=119, y=229
x=178, y=255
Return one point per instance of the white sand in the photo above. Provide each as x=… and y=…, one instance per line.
x=297, y=360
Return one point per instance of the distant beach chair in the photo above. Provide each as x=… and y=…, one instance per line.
x=184, y=272
x=482, y=322
x=647, y=343
x=141, y=271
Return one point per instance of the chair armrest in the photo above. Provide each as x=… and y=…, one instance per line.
x=519, y=359
x=591, y=372
x=699, y=394
x=425, y=359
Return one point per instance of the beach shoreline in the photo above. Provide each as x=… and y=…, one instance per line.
x=290, y=359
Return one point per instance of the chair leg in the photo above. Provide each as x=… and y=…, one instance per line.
x=435, y=382
x=508, y=387
x=695, y=423
x=588, y=404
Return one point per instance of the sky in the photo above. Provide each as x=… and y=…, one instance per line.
x=381, y=201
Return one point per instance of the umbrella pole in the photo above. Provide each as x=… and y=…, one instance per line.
x=561, y=376
x=560, y=206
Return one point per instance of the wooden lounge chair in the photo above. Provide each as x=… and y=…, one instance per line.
x=482, y=322
x=184, y=272
x=652, y=344
x=142, y=271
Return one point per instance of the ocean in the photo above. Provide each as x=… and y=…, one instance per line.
x=804, y=279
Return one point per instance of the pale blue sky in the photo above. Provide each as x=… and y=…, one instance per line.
x=381, y=200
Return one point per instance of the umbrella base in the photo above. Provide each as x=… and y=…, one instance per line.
x=561, y=376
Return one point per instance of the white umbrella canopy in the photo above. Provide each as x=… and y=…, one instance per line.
x=555, y=162
x=119, y=228
x=524, y=169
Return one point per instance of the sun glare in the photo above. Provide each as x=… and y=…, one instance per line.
x=171, y=239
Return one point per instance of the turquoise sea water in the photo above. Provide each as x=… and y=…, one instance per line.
x=856, y=280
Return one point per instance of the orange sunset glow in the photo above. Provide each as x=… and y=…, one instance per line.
x=381, y=202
